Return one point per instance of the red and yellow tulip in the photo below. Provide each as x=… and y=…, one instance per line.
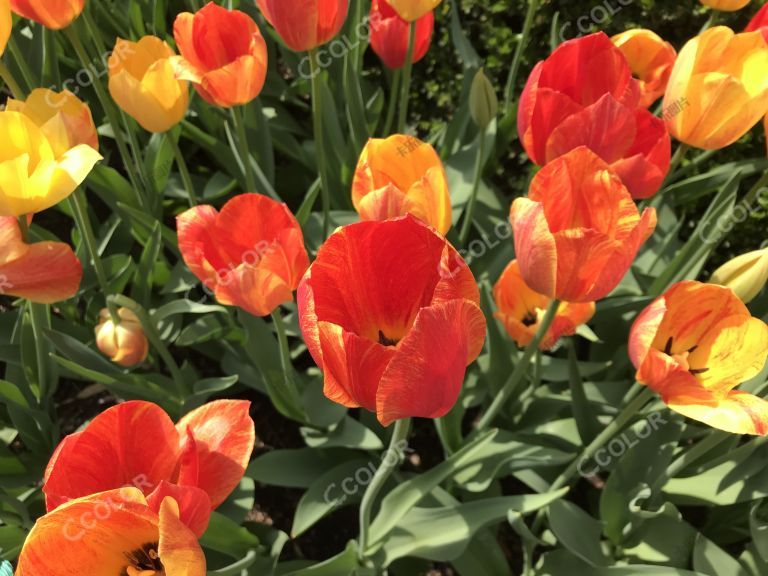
x=44, y=272
x=584, y=95
x=718, y=89
x=390, y=313
x=694, y=345
x=390, y=35
x=125, y=344
x=53, y=14
x=222, y=53
x=412, y=10
x=651, y=60
x=203, y=457
x=305, y=24
x=578, y=231
x=521, y=310
x=402, y=175
x=251, y=254
x=114, y=532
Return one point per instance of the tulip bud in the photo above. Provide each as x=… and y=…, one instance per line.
x=6, y=24
x=483, y=102
x=725, y=5
x=746, y=275
x=124, y=344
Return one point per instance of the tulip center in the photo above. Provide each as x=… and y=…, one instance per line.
x=682, y=358
x=532, y=317
x=144, y=561
x=384, y=341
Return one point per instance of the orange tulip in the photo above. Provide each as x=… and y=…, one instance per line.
x=522, y=309
x=200, y=459
x=694, y=345
x=142, y=81
x=53, y=14
x=44, y=272
x=390, y=35
x=305, y=24
x=725, y=5
x=6, y=24
x=115, y=532
x=578, y=231
x=124, y=344
x=222, y=53
x=402, y=175
x=412, y=10
x=64, y=119
x=390, y=313
x=251, y=254
x=651, y=60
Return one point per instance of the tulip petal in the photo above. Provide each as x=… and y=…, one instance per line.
x=47, y=272
x=738, y=413
x=236, y=83
x=382, y=204
x=193, y=503
x=535, y=246
x=179, y=550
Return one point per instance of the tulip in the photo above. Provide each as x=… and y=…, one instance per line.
x=390, y=35
x=718, y=89
x=64, y=119
x=251, y=254
x=390, y=313
x=746, y=275
x=115, y=532
x=402, y=175
x=725, y=5
x=44, y=272
x=584, y=95
x=142, y=81
x=33, y=176
x=222, y=53
x=759, y=22
x=305, y=24
x=578, y=231
x=53, y=14
x=412, y=10
x=124, y=343
x=521, y=310
x=694, y=345
x=202, y=458
x=651, y=60
x=6, y=24
x=483, y=102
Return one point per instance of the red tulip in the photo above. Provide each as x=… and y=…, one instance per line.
x=759, y=22
x=389, y=312
x=44, y=272
x=578, y=231
x=305, y=24
x=584, y=95
x=390, y=35
x=200, y=459
x=251, y=254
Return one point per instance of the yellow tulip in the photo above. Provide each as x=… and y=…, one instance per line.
x=6, y=24
x=412, y=10
x=651, y=60
x=143, y=82
x=718, y=89
x=125, y=344
x=33, y=176
x=725, y=5
x=65, y=120
x=746, y=275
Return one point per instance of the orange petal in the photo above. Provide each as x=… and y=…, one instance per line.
x=179, y=550
x=738, y=413
x=194, y=504
x=535, y=246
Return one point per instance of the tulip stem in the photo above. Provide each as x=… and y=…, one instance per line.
x=517, y=59
x=183, y=170
x=238, y=117
x=285, y=359
x=466, y=226
x=407, y=73
x=21, y=62
x=391, y=460
x=317, y=117
x=677, y=160
x=521, y=369
x=10, y=81
x=394, y=94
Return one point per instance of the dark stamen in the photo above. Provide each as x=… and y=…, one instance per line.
x=668, y=347
x=695, y=371
x=383, y=340
x=530, y=319
x=145, y=558
x=691, y=350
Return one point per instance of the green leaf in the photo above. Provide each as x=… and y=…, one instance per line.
x=296, y=468
x=349, y=433
x=577, y=531
x=710, y=559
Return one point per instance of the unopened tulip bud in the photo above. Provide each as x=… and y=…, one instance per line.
x=124, y=344
x=746, y=275
x=483, y=102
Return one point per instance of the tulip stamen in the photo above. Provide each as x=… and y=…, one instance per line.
x=530, y=319
x=384, y=341
x=696, y=371
x=668, y=347
x=144, y=561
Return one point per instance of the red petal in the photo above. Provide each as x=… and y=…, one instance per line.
x=194, y=504
x=44, y=272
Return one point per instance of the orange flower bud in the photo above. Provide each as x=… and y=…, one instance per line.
x=402, y=175
x=390, y=35
x=54, y=14
x=725, y=5
x=651, y=60
x=412, y=10
x=6, y=24
x=142, y=81
x=222, y=53
x=124, y=344
x=304, y=25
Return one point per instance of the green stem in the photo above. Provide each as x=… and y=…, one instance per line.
x=517, y=59
x=388, y=465
x=10, y=81
x=392, y=105
x=21, y=62
x=755, y=191
x=238, y=117
x=406, y=87
x=467, y=224
x=521, y=368
x=80, y=212
x=285, y=357
x=317, y=117
x=183, y=169
x=677, y=159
